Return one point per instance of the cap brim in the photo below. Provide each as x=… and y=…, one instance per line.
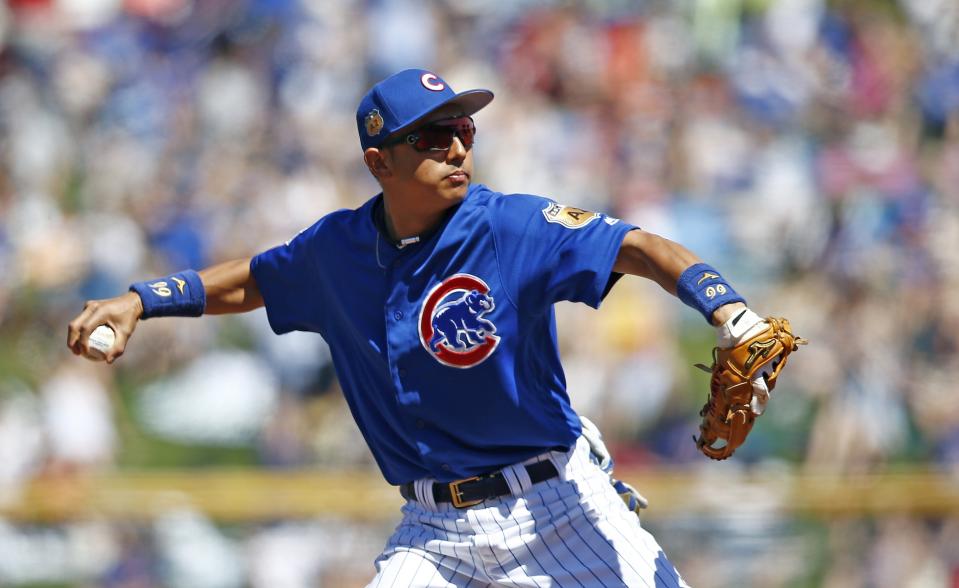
x=472, y=102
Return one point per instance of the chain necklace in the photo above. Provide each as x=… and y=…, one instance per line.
x=403, y=243
x=378, y=262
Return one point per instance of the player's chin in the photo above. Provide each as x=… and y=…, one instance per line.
x=455, y=187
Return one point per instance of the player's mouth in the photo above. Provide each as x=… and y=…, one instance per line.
x=458, y=178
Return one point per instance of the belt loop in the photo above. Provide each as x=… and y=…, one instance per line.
x=561, y=459
x=423, y=489
x=517, y=478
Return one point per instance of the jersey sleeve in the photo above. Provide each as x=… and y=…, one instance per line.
x=549, y=252
x=287, y=278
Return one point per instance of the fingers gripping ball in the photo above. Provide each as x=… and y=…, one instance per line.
x=101, y=341
x=740, y=375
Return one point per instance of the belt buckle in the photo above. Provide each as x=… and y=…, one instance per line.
x=457, y=495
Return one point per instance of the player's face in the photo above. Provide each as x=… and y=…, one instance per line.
x=428, y=174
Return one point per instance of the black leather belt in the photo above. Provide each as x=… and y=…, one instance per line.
x=472, y=491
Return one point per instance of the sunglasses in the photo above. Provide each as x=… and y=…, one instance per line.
x=438, y=135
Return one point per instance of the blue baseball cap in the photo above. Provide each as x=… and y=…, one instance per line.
x=404, y=98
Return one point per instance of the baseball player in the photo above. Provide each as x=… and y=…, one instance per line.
x=436, y=298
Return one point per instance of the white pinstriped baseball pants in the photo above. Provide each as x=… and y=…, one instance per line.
x=572, y=531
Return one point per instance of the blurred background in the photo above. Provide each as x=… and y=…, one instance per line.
x=807, y=148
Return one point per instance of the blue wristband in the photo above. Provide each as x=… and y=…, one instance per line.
x=180, y=294
x=702, y=288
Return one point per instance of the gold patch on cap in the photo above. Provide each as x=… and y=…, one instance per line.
x=374, y=123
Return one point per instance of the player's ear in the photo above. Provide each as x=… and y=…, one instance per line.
x=377, y=161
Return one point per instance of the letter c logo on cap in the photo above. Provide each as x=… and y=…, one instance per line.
x=431, y=82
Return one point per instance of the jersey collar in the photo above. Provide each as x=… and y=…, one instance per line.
x=378, y=214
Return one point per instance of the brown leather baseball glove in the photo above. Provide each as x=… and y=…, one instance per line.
x=742, y=377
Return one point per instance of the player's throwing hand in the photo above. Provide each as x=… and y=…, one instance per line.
x=121, y=314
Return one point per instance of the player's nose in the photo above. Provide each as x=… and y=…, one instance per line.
x=456, y=151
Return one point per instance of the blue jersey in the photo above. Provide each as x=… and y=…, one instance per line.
x=446, y=349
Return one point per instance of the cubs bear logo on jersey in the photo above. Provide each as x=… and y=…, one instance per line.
x=452, y=325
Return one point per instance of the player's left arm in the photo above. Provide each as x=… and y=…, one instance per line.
x=750, y=353
x=663, y=261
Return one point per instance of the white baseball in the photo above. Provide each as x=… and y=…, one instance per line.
x=100, y=342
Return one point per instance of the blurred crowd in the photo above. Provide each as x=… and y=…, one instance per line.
x=808, y=149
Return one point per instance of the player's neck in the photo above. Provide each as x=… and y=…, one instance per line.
x=404, y=224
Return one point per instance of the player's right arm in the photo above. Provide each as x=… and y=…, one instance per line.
x=229, y=288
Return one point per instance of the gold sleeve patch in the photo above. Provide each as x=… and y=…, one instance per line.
x=568, y=216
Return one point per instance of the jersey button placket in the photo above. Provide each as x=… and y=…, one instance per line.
x=398, y=327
